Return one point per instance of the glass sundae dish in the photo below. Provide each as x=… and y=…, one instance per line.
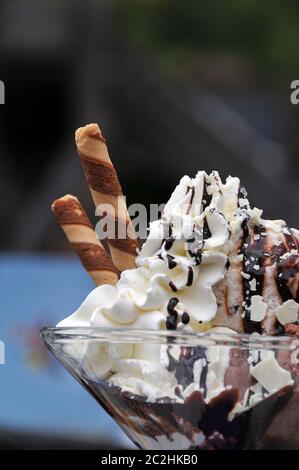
x=219, y=400
x=192, y=341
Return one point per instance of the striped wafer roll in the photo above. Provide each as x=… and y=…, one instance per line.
x=78, y=229
x=106, y=192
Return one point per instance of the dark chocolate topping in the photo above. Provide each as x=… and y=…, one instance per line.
x=272, y=423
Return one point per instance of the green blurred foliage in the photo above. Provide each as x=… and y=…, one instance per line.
x=266, y=33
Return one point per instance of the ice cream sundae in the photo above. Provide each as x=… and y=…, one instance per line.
x=218, y=283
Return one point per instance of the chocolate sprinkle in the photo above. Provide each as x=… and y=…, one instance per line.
x=185, y=318
x=170, y=324
x=190, y=277
x=172, y=286
x=172, y=304
x=196, y=255
x=172, y=319
x=171, y=263
x=174, y=314
x=168, y=243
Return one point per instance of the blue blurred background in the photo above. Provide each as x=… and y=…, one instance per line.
x=176, y=87
x=41, y=406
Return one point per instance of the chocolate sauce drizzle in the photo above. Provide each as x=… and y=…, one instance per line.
x=206, y=230
x=286, y=272
x=168, y=241
x=253, y=257
x=290, y=242
x=206, y=201
x=256, y=256
x=192, y=189
x=254, y=429
x=287, y=269
x=206, y=198
x=183, y=367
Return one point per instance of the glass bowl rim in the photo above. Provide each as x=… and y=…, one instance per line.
x=51, y=335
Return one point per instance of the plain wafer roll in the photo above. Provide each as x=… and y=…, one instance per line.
x=106, y=190
x=78, y=229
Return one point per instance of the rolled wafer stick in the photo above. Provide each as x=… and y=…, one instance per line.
x=78, y=229
x=106, y=190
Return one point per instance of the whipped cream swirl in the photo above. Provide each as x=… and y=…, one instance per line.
x=184, y=256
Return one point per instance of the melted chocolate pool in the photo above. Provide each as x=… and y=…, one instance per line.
x=272, y=424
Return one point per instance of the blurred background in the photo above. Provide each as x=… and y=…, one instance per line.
x=176, y=87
